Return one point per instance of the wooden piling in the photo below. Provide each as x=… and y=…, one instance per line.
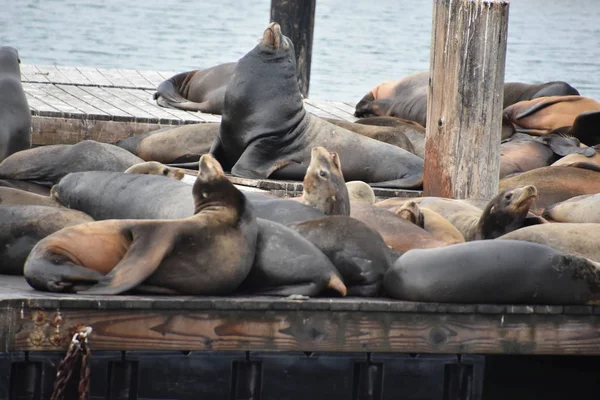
x=464, y=117
x=297, y=21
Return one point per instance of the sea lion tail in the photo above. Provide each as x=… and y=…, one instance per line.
x=336, y=284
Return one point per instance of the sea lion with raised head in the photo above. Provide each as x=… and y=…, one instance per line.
x=209, y=253
x=432, y=222
x=198, y=90
x=493, y=272
x=267, y=133
x=15, y=115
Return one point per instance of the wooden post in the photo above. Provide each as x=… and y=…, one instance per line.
x=297, y=21
x=464, y=102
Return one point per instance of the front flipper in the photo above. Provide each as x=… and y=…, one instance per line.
x=145, y=254
x=540, y=105
x=258, y=162
x=586, y=128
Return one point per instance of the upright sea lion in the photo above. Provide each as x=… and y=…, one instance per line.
x=51, y=163
x=556, y=184
x=14, y=196
x=323, y=187
x=545, y=114
x=493, y=271
x=266, y=132
x=156, y=168
x=384, y=134
x=432, y=222
x=197, y=90
x=208, y=253
x=580, y=239
x=360, y=191
x=15, y=116
x=583, y=209
x=181, y=144
x=515, y=92
x=22, y=226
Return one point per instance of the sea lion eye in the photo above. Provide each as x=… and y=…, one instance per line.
x=508, y=196
x=323, y=173
x=165, y=172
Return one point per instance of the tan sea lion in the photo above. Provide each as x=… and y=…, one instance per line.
x=208, y=253
x=156, y=168
x=432, y=222
x=582, y=209
x=556, y=184
x=17, y=196
x=360, y=191
x=571, y=159
x=198, y=90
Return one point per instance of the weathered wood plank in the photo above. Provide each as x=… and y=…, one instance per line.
x=141, y=112
x=48, y=94
x=93, y=96
x=465, y=92
x=317, y=111
x=113, y=106
x=345, y=108
x=87, y=102
x=176, y=116
x=74, y=75
x=95, y=77
x=114, y=77
x=137, y=81
x=329, y=109
x=30, y=73
x=153, y=77
x=293, y=330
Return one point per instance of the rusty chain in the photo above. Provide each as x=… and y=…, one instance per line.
x=79, y=344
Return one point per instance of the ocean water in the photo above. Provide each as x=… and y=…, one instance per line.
x=357, y=44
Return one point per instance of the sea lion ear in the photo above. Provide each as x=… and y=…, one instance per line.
x=335, y=159
x=492, y=209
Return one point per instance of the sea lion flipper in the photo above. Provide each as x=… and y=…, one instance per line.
x=564, y=145
x=592, y=166
x=411, y=182
x=585, y=128
x=141, y=260
x=532, y=109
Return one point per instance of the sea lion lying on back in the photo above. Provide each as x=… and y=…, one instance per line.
x=210, y=252
x=266, y=131
x=197, y=90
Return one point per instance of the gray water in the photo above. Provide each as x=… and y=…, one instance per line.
x=357, y=43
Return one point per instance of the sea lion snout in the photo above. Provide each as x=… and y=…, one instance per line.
x=272, y=35
x=209, y=168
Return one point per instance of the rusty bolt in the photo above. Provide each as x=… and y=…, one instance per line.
x=56, y=339
x=39, y=317
x=57, y=320
x=37, y=337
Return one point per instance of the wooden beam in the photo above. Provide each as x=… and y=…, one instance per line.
x=464, y=117
x=297, y=21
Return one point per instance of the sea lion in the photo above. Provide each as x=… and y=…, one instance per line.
x=181, y=144
x=209, y=253
x=545, y=114
x=414, y=131
x=576, y=159
x=432, y=222
x=404, y=98
x=323, y=187
x=582, y=209
x=515, y=92
x=50, y=163
x=156, y=168
x=198, y=90
x=266, y=132
x=556, y=184
x=493, y=272
x=29, y=186
x=580, y=239
x=360, y=191
x=384, y=134
x=15, y=116
x=22, y=226
x=357, y=251
x=14, y=196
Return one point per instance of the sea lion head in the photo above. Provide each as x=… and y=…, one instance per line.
x=9, y=60
x=156, y=168
x=507, y=211
x=213, y=189
x=274, y=41
x=360, y=191
x=412, y=213
x=324, y=186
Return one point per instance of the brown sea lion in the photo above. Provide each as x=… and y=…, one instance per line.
x=22, y=226
x=493, y=272
x=582, y=209
x=384, y=134
x=50, y=163
x=15, y=116
x=198, y=90
x=571, y=159
x=556, y=184
x=14, y=196
x=156, y=168
x=360, y=191
x=267, y=133
x=323, y=187
x=181, y=144
x=29, y=186
x=542, y=115
x=580, y=239
x=515, y=92
x=208, y=253
x=432, y=222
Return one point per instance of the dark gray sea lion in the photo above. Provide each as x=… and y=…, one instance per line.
x=414, y=131
x=22, y=226
x=156, y=168
x=15, y=116
x=198, y=90
x=493, y=272
x=266, y=132
x=357, y=251
x=515, y=92
x=50, y=163
x=181, y=144
x=209, y=253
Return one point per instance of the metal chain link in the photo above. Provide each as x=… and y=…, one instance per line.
x=67, y=365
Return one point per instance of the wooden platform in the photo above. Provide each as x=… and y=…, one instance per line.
x=70, y=104
x=40, y=321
